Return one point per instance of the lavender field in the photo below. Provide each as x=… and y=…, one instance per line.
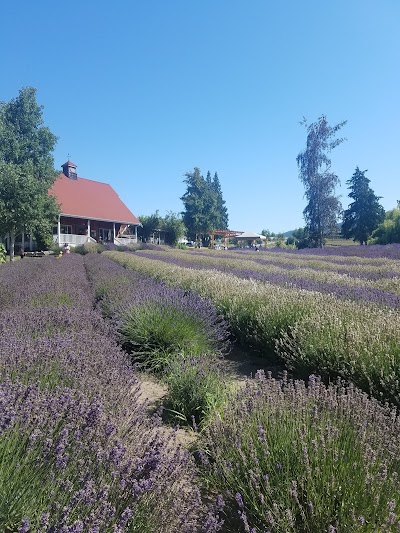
x=80, y=450
x=332, y=315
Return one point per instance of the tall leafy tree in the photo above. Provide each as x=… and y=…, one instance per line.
x=173, y=227
x=365, y=213
x=26, y=168
x=150, y=224
x=323, y=207
x=388, y=230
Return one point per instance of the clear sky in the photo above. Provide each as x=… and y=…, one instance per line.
x=139, y=92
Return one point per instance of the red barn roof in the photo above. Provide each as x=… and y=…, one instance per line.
x=94, y=200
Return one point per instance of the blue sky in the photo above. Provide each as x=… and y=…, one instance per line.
x=139, y=92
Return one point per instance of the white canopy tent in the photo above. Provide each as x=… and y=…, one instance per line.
x=253, y=238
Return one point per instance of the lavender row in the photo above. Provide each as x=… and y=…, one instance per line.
x=313, y=256
x=129, y=290
x=64, y=468
x=310, y=331
x=287, y=457
x=344, y=289
x=76, y=442
x=172, y=332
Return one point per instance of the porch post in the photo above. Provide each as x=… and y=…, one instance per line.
x=114, y=231
x=88, y=228
x=136, y=233
x=59, y=231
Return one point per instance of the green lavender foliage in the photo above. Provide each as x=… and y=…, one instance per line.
x=287, y=457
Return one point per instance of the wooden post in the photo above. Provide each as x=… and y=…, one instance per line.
x=59, y=231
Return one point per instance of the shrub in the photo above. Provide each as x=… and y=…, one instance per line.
x=360, y=343
x=196, y=387
x=2, y=253
x=155, y=322
x=156, y=331
x=62, y=468
x=88, y=248
x=291, y=458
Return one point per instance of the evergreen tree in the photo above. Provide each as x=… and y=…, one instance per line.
x=194, y=200
x=365, y=213
x=323, y=207
x=222, y=211
x=204, y=206
x=26, y=169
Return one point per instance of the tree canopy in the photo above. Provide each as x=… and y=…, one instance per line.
x=204, y=206
x=323, y=207
x=26, y=168
x=365, y=213
x=388, y=230
x=172, y=225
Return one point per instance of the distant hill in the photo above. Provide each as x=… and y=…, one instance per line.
x=290, y=232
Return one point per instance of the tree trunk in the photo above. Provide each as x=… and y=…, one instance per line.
x=12, y=244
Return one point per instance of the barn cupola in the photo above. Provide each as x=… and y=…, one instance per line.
x=69, y=170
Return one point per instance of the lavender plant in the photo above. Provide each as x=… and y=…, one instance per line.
x=157, y=322
x=86, y=457
x=290, y=457
x=358, y=343
x=197, y=388
x=64, y=469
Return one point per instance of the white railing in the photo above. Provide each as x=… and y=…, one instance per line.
x=70, y=238
x=77, y=240
x=124, y=241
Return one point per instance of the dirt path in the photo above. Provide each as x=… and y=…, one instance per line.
x=153, y=392
x=239, y=366
x=242, y=364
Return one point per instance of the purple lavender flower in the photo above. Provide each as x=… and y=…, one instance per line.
x=25, y=527
x=239, y=499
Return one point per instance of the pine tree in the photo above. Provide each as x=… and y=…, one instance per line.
x=323, y=207
x=194, y=201
x=222, y=211
x=204, y=205
x=365, y=213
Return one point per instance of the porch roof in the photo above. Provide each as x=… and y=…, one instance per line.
x=90, y=199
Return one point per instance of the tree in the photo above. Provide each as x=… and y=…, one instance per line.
x=204, y=205
x=26, y=169
x=171, y=224
x=388, y=230
x=301, y=237
x=365, y=213
x=150, y=224
x=173, y=227
x=323, y=207
x=221, y=209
